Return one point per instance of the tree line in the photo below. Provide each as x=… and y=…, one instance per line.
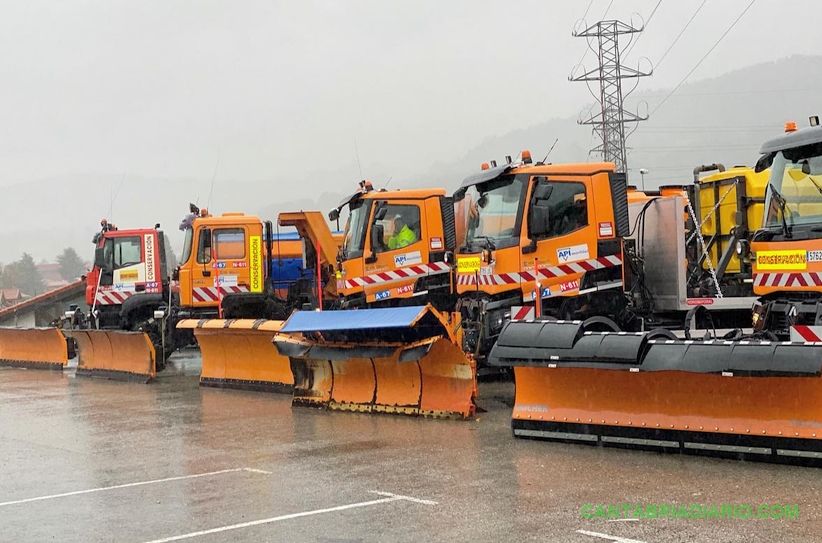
x=22, y=274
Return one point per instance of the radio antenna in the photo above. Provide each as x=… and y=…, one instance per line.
x=213, y=177
x=114, y=198
x=549, y=151
x=357, y=151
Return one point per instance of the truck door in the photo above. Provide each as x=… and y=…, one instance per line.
x=558, y=223
x=229, y=260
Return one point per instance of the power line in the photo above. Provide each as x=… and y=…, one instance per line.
x=744, y=11
x=587, y=9
x=724, y=146
x=699, y=130
x=709, y=127
x=639, y=151
x=607, y=9
x=665, y=54
x=651, y=16
x=751, y=91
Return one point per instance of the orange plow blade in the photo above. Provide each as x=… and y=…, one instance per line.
x=756, y=400
x=398, y=360
x=239, y=354
x=115, y=354
x=41, y=348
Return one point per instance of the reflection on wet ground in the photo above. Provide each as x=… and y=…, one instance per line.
x=215, y=465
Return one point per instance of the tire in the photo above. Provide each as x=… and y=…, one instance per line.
x=600, y=324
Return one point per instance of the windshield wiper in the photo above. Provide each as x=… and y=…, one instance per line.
x=470, y=245
x=783, y=207
x=489, y=242
x=815, y=184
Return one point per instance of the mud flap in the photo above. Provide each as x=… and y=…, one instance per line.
x=239, y=354
x=39, y=348
x=115, y=354
x=414, y=367
x=752, y=399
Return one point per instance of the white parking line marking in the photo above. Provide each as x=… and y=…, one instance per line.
x=613, y=538
x=252, y=470
x=129, y=485
x=406, y=498
x=388, y=499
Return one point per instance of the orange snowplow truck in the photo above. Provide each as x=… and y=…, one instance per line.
x=399, y=351
x=239, y=279
x=556, y=240
x=566, y=220
x=397, y=247
x=755, y=395
x=237, y=266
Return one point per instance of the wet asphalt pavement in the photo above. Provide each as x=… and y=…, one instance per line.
x=206, y=465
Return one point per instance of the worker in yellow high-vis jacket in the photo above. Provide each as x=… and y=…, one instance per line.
x=403, y=235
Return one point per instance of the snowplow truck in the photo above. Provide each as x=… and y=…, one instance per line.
x=573, y=242
x=127, y=285
x=239, y=279
x=399, y=351
x=397, y=249
x=753, y=395
x=119, y=338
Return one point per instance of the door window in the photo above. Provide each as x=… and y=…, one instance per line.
x=400, y=227
x=229, y=244
x=565, y=210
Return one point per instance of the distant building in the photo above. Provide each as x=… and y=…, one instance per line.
x=10, y=297
x=42, y=310
x=50, y=274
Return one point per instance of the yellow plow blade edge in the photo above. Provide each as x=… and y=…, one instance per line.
x=41, y=348
x=115, y=354
x=238, y=353
x=396, y=360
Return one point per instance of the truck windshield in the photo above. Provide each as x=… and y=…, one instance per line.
x=354, y=234
x=187, y=245
x=795, y=187
x=494, y=213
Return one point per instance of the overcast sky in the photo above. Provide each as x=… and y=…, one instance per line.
x=162, y=87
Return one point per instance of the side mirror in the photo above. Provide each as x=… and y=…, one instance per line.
x=542, y=192
x=204, y=246
x=539, y=220
x=205, y=238
x=764, y=162
x=377, y=232
x=382, y=210
x=539, y=225
x=99, y=258
x=334, y=215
